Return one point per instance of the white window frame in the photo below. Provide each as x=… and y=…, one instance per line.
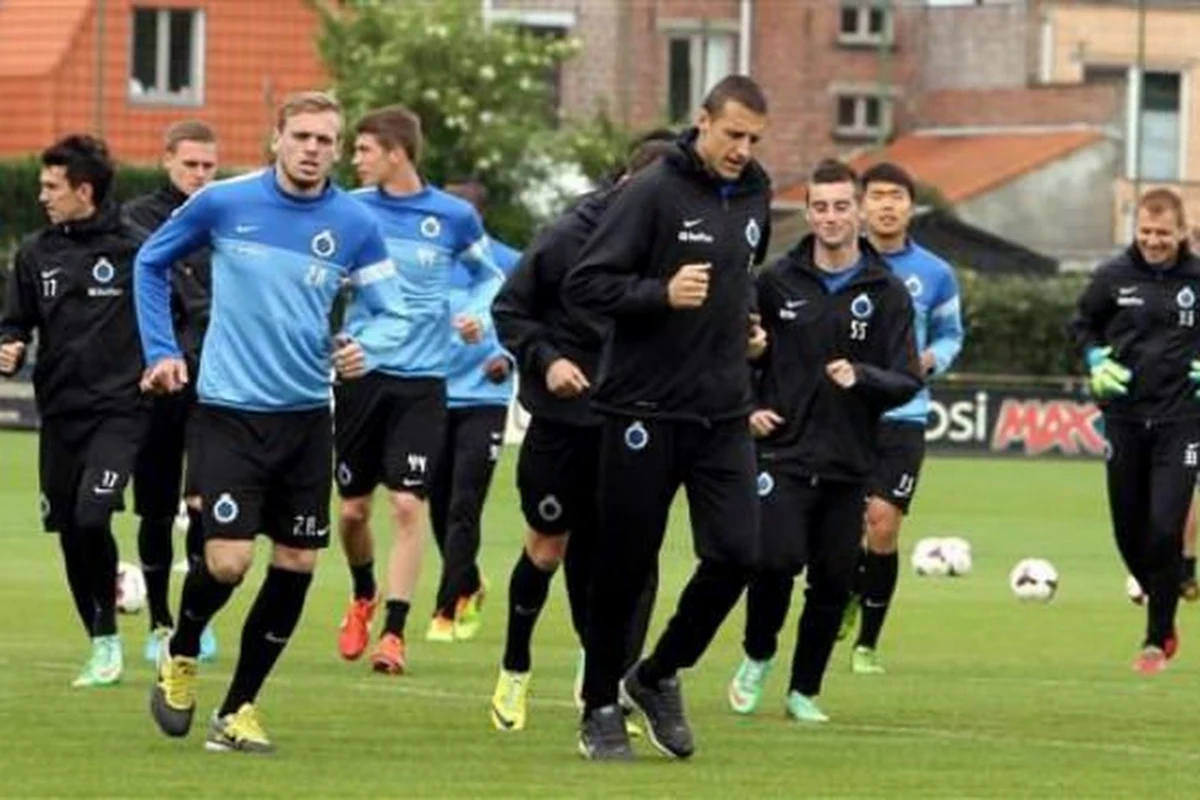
x=862, y=35
x=1133, y=111
x=860, y=129
x=158, y=94
x=697, y=47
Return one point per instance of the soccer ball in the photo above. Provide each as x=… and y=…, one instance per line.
x=131, y=588
x=1133, y=590
x=957, y=553
x=929, y=558
x=1034, y=579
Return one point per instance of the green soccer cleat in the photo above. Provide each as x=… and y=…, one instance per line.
x=468, y=613
x=154, y=643
x=865, y=661
x=803, y=709
x=104, y=666
x=746, y=688
x=849, y=618
x=509, y=701
x=239, y=732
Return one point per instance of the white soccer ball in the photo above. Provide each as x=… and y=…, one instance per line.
x=131, y=588
x=1034, y=579
x=957, y=553
x=929, y=558
x=1133, y=590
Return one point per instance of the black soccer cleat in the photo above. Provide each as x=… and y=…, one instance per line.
x=602, y=735
x=662, y=706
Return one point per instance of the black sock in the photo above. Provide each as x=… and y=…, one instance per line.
x=577, y=576
x=858, y=586
x=527, y=591
x=397, y=616
x=879, y=587
x=101, y=551
x=363, y=576
x=269, y=625
x=79, y=577
x=156, y=552
x=193, y=542
x=1189, y=568
x=203, y=597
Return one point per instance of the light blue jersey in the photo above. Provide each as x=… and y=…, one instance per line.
x=937, y=317
x=466, y=383
x=427, y=233
x=277, y=263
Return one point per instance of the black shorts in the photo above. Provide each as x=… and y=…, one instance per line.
x=807, y=521
x=84, y=464
x=899, y=452
x=556, y=476
x=263, y=472
x=388, y=430
x=158, y=474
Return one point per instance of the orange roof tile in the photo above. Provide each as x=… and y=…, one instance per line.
x=964, y=166
x=35, y=34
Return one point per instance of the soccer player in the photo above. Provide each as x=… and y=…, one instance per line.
x=479, y=388
x=841, y=351
x=557, y=353
x=888, y=197
x=283, y=240
x=1135, y=324
x=669, y=264
x=190, y=161
x=390, y=425
x=70, y=283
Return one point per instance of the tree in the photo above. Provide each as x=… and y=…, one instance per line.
x=481, y=91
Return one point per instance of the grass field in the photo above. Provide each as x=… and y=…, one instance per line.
x=984, y=697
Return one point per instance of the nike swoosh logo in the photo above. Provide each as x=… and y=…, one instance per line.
x=691, y=223
x=275, y=638
x=410, y=483
x=1127, y=289
x=50, y=273
x=101, y=490
x=796, y=303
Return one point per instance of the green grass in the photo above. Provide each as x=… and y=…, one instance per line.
x=984, y=697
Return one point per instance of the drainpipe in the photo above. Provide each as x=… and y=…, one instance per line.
x=98, y=122
x=745, y=31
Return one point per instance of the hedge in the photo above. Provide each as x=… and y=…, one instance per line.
x=20, y=212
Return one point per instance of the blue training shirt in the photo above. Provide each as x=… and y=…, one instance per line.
x=427, y=233
x=466, y=383
x=937, y=317
x=277, y=264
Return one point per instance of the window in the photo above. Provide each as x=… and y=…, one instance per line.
x=865, y=23
x=167, y=63
x=554, y=73
x=695, y=64
x=863, y=116
x=1159, y=126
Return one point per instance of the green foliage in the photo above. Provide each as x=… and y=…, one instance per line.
x=481, y=92
x=1018, y=325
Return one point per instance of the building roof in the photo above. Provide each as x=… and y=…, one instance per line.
x=35, y=34
x=965, y=165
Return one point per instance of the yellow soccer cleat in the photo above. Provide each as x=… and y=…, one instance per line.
x=240, y=732
x=508, y=701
